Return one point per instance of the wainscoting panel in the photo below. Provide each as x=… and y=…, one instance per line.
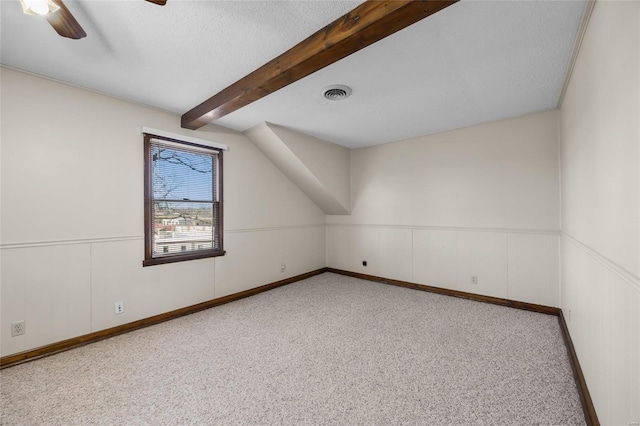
x=387, y=251
x=484, y=255
x=520, y=265
x=304, y=250
x=450, y=258
x=249, y=256
x=601, y=304
x=338, y=248
x=533, y=268
x=435, y=258
x=49, y=288
x=254, y=258
x=392, y=252
x=66, y=289
x=117, y=275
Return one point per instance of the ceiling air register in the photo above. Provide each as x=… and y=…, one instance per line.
x=337, y=92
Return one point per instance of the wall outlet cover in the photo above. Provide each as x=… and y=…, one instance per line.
x=18, y=328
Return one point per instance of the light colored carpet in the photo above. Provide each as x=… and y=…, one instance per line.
x=326, y=350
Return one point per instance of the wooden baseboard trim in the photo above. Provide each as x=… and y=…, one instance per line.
x=455, y=293
x=54, y=348
x=588, y=408
x=585, y=398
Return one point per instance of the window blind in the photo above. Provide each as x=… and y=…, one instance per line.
x=185, y=208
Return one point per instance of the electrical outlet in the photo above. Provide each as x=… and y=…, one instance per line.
x=569, y=315
x=474, y=279
x=119, y=308
x=364, y=263
x=18, y=328
x=283, y=267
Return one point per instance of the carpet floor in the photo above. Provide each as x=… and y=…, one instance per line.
x=327, y=350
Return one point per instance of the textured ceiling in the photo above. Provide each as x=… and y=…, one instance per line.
x=474, y=62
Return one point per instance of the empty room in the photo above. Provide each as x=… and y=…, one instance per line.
x=320, y=212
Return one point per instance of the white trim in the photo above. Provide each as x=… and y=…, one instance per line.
x=451, y=228
x=275, y=228
x=184, y=138
x=622, y=272
x=68, y=242
x=30, y=244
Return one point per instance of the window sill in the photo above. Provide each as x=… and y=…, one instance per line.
x=182, y=257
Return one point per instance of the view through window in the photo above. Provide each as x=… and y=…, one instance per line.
x=183, y=188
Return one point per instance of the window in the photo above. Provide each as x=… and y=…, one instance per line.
x=182, y=202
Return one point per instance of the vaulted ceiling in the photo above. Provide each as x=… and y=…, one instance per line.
x=473, y=62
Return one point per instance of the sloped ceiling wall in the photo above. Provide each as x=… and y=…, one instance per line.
x=319, y=168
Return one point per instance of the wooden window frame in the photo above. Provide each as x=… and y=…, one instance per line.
x=149, y=259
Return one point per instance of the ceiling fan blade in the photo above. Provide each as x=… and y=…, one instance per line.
x=64, y=23
x=158, y=2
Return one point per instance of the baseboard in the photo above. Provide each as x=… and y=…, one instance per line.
x=585, y=397
x=54, y=348
x=455, y=293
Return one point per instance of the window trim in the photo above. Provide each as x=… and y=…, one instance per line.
x=149, y=260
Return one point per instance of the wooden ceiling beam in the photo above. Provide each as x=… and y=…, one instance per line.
x=368, y=23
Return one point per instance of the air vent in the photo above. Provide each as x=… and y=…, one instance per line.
x=337, y=92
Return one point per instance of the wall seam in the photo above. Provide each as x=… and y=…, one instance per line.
x=560, y=203
x=582, y=30
x=413, y=251
x=91, y=287
x=508, y=279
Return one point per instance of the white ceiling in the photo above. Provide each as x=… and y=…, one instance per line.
x=474, y=62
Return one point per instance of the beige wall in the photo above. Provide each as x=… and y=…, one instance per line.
x=72, y=216
x=329, y=162
x=301, y=159
x=497, y=175
x=600, y=284
x=600, y=132
x=438, y=209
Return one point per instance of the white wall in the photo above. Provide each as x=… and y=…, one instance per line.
x=482, y=200
x=301, y=158
x=72, y=216
x=329, y=162
x=600, y=284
